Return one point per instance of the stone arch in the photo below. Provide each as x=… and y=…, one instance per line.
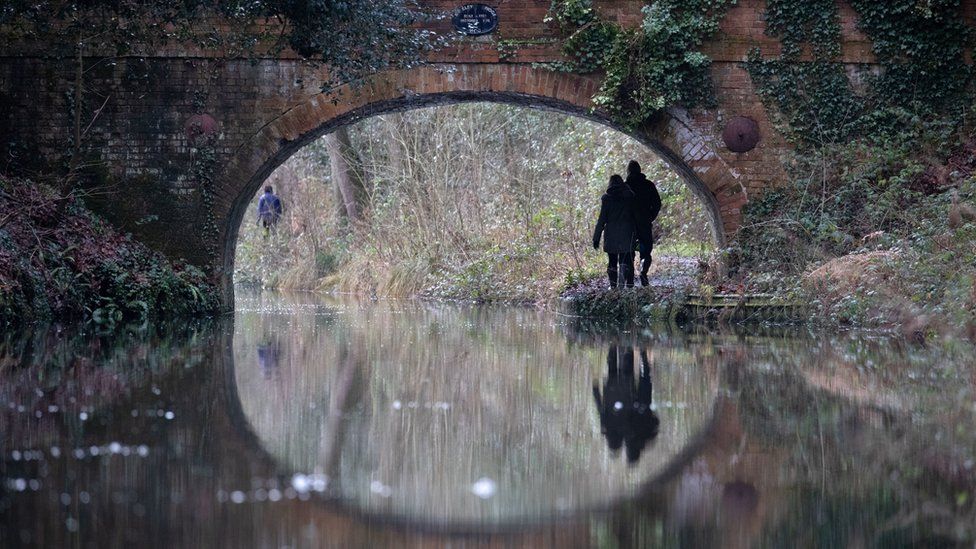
x=675, y=137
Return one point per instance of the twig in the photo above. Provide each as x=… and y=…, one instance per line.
x=96, y=115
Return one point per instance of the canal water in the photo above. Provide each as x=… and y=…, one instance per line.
x=305, y=421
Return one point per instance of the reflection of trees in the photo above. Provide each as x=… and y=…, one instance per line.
x=345, y=391
x=70, y=369
x=446, y=395
x=815, y=450
x=871, y=472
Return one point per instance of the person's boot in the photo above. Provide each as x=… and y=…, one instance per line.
x=612, y=276
x=645, y=266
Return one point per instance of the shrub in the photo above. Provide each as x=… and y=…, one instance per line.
x=59, y=261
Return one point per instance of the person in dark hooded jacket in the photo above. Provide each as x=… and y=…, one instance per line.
x=616, y=226
x=647, y=204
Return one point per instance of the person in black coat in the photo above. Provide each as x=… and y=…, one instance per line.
x=647, y=204
x=616, y=225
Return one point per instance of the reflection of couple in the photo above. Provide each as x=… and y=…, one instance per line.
x=625, y=410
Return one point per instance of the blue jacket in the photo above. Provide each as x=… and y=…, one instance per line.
x=269, y=208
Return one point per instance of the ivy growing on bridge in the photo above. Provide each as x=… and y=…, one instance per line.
x=920, y=47
x=877, y=149
x=647, y=69
x=797, y=22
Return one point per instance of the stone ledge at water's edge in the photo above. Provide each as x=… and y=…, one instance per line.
x=675, y=295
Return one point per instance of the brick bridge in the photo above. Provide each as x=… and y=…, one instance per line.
x=187, y=195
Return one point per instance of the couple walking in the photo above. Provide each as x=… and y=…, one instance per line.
x=627, y=210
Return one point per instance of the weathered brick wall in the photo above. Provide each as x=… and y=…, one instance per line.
x=187, y=198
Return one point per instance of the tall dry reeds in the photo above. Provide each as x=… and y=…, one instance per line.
x=481, y=201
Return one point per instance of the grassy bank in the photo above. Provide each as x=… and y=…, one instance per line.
x=866, y=234
x=60, y=261
x=480, y=202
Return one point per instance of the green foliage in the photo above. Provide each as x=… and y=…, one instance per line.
x=815, y=99
x=60, y=261
x=592, y=47
x=920, y=47
x=203, y=170
x=805, y=21
x=648, y=69
x=572, y=13
x=326, y=262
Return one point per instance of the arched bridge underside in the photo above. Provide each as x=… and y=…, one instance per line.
x=673, y=137
x=182, y=138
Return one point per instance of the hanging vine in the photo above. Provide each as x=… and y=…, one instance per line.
x=647, y=69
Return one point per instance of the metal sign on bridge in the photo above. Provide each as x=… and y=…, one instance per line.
x=475, y=19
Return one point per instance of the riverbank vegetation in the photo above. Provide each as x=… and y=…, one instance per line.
x=876, y=224
x=871, y=234
x=480, y=201
x=60, y=261
x=871, y=227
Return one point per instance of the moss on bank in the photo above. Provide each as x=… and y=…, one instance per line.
x=60, y=261
x=662, y=301
x=640, y=305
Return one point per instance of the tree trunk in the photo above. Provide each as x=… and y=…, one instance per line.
x=394, y=124
x=346, y=174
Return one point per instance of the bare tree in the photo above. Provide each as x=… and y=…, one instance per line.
x=486, y=200
x=347, y=174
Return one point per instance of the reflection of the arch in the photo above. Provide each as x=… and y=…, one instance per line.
x=797, y=454
x=405, y=408
x=741, y=482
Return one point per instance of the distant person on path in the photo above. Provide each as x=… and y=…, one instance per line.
x=616, y=226
x=647, y=206
x=269, y=209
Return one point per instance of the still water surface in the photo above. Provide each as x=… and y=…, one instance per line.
x=309, y=421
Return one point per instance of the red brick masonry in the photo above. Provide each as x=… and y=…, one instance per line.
x=267, y=108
